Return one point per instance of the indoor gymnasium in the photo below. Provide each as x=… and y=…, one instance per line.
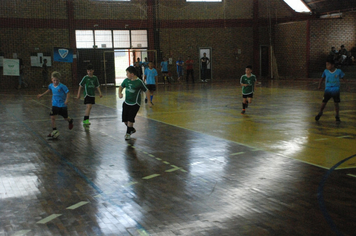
x=177, y=117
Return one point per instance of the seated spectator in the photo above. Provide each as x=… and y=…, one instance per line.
x=344, y=55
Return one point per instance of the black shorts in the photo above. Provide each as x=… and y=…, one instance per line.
x=62, y=111
x=129, y=112
x=151, y=87
x=328, y=95
x=164, y=72
x=89, y=100
x=247, y=96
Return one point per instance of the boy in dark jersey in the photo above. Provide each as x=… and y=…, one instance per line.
x=332, y=77
x=133, y=88
x=89, y=83
x=247, y=82
x=60, y=100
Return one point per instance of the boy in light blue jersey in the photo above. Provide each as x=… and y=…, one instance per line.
x=151, y=80
x=164, y=70
x=60, y=100
x=332, y=77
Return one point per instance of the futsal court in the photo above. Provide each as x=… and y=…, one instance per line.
x=196, y=166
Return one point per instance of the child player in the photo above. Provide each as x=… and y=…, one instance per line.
x=151, y=79
x=332, y=77
x=247, y=82
x=130, y=107
x=89, y=83
x=60, y=99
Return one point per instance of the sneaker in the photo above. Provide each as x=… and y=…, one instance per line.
x=243, y=111
x=86, y=122
x=70, y=125
x=318, y=116
x=337, y=118
x=127, y=137
x=133, y=131
x=53, y=134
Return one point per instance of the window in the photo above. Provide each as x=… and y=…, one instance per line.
x=103, y=38
x=121, y=38
x=139, y=39
x=111, y=38
x=84, y=38
x=204, y=0
x=297, y=5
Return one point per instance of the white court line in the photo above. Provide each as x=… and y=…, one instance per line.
x=21, y=232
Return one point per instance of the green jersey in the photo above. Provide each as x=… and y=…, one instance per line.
x=251, y=84
x=89, y=84
x=133, y=91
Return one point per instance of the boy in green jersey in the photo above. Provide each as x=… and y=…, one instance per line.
x=89, y=83
x=133, y=88
x=248, y=82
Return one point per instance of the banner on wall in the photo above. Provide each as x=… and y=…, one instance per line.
x=63, y=55
x=11, y=67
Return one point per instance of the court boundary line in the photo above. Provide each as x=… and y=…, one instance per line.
x=320, y=196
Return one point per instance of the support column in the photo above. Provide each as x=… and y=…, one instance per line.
x=72, y=44
x=256, y=39
x=151, y=27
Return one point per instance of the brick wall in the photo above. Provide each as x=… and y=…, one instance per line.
x=290, y=46
x=225, y=42
x=23, y=42
x=227, y=9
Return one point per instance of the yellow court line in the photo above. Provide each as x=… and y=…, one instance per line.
x=75, y=206
x=151, y=176
x=351, y=175
x=238, y=153
x=48, y=219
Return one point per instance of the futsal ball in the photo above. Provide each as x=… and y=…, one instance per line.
x=55, y=134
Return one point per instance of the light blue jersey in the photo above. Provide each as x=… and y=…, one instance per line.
x=164, y=65
x=59, y=94
x=150, y=75
x=332, y=79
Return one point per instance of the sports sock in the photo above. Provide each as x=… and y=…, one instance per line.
x=86, y=117
x=129, y=129
x=54, y=128
x=151, y=97
x=243, y=106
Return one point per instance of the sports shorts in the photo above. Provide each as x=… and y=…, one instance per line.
x=89, y=100
x=62, y=111
x=129, y=112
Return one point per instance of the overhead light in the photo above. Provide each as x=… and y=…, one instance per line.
x=333, y=15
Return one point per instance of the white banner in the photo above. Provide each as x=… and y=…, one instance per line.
x=11, y=67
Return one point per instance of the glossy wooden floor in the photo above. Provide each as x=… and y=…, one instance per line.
x=196, y=166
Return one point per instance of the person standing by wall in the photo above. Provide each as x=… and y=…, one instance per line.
x=204, y=67
x=190, y=70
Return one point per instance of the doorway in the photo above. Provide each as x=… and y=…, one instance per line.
x=208, y=71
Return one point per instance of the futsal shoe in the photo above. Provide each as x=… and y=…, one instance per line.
x=337, y=118
x=70, y=125
x=86, y=122
x=54, y=134
x=243, y=111
x=127, y=136
x=318, y=116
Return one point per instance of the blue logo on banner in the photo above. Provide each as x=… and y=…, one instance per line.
x=63, y=55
